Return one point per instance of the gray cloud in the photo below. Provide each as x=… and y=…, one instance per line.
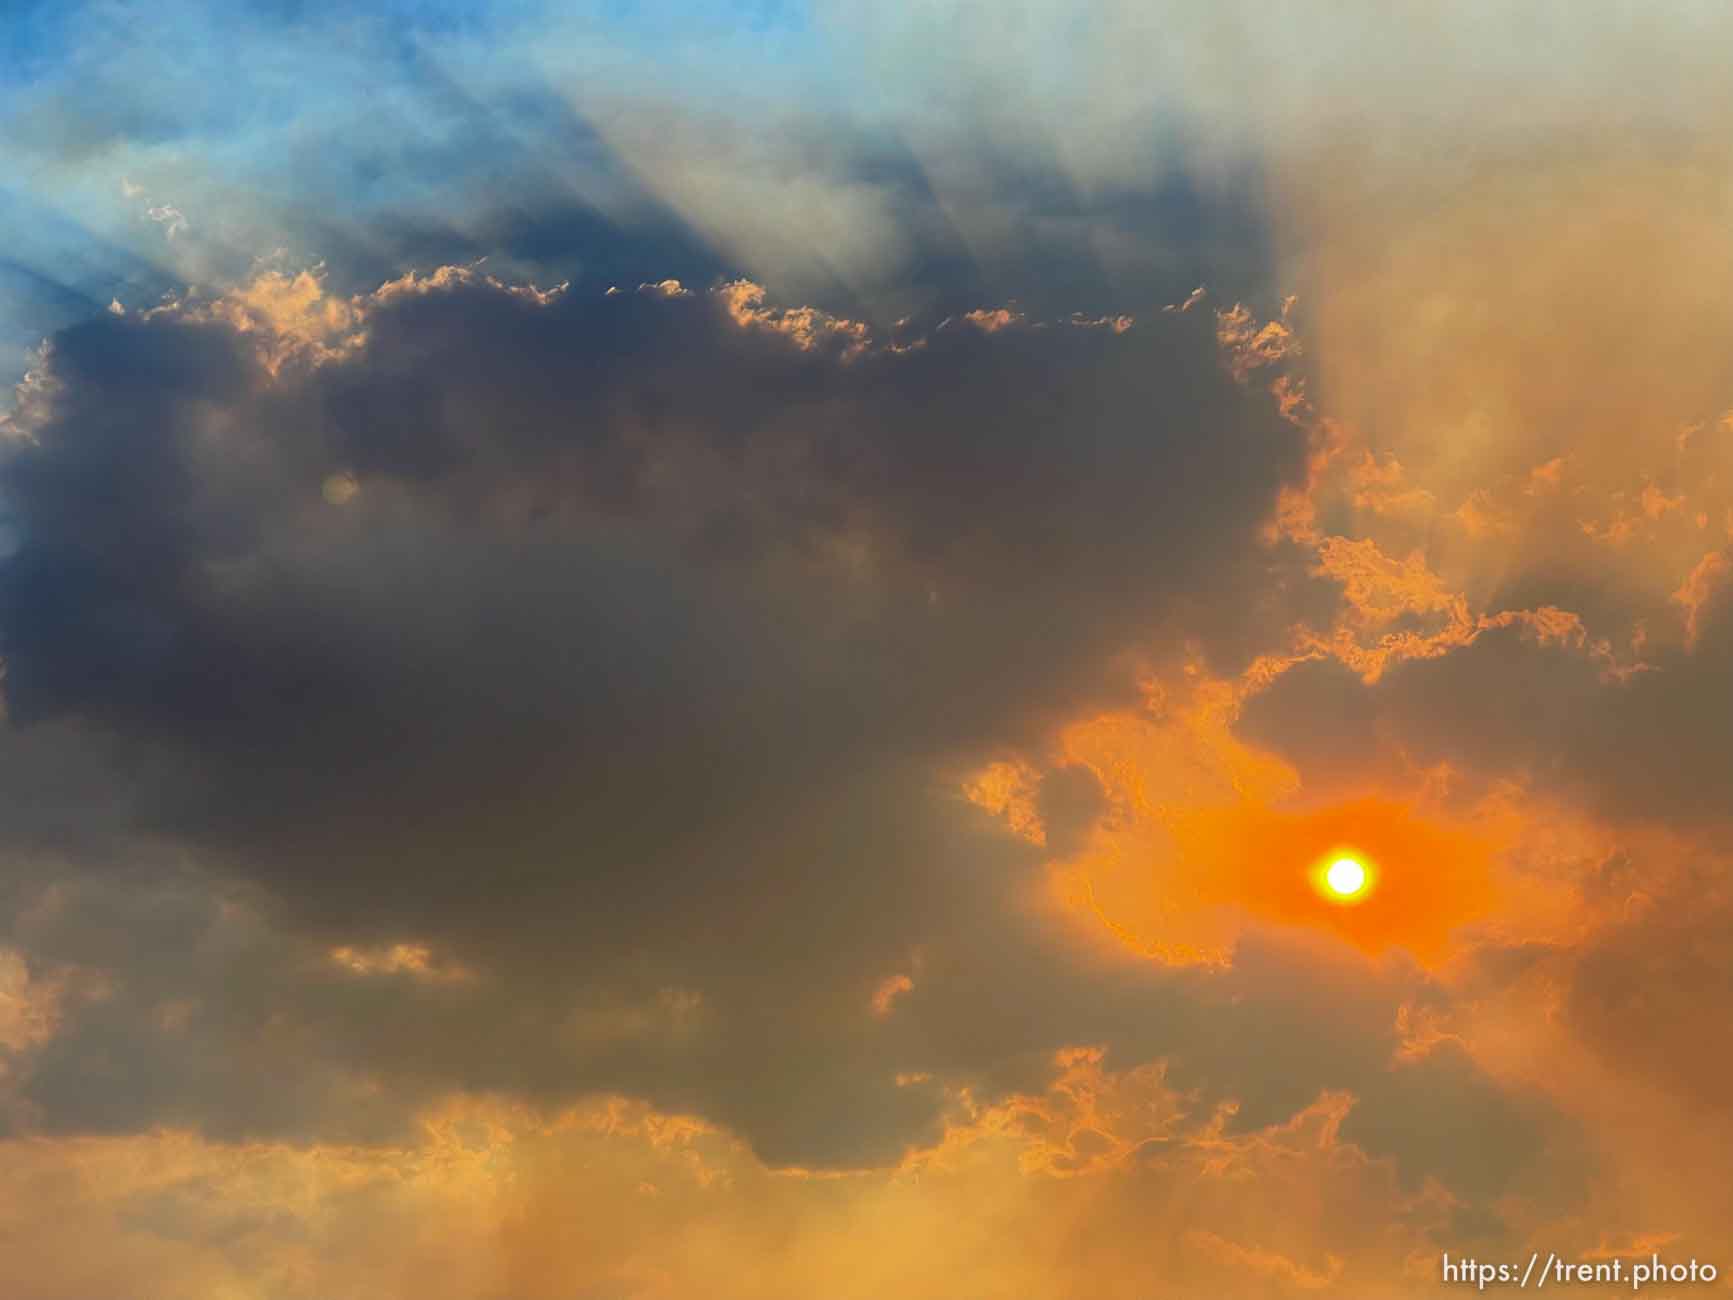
x=634, y=663
x=1647, y=748
x=634, y=682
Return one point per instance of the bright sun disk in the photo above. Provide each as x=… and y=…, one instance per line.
x=1345, y=877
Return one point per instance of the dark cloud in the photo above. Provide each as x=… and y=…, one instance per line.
x=532, y=697
x=1646, y=747
x=1070, y=802
x=635, y=683
x=525, y=604
x=507, y=702
x=1449, y=1121
x=213, y=1021
x=1644, y=995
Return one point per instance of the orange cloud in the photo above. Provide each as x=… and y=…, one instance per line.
x=1699, y=587
x=885, y=996
x=1008, y=791
x=1249, y=346
x=1546, y=478
x=992, y=320
x=1198, y=842
x=1431, y=878
x=1381, y=486
x=1381, y=589
x=805, y=327
x=415, y=960
x=1268, y=1263
x=1481, y=517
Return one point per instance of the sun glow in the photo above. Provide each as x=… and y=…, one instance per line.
x=1346, y=876
x=1342, y=878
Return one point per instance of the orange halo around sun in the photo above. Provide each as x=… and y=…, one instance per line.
x=1214, y=867
x=1342, y=877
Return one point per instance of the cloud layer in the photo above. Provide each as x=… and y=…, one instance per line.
x=714, y=653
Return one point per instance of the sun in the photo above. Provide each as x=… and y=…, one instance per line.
x=1346, y=878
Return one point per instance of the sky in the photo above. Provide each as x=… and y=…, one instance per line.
x=659, y=650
